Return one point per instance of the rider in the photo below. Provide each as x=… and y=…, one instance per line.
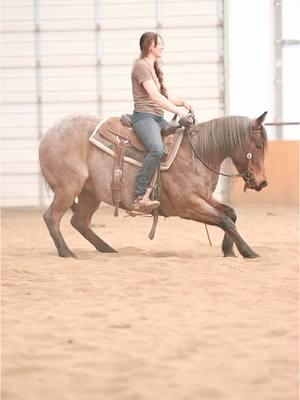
x=150, y=99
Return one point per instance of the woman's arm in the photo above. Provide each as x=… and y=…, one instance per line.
x=177, y=102
x=161, y=100
x=181, y=102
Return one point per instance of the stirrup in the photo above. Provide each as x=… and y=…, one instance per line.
x=144, y=206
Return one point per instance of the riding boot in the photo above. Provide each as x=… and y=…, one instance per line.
x=144, y=205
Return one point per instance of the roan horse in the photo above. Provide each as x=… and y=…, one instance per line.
x=74, y=168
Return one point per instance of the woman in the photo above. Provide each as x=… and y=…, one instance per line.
x=150, y=99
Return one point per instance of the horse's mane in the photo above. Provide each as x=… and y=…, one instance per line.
x=217, y=138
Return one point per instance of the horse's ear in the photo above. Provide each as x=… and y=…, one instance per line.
x=259, y=121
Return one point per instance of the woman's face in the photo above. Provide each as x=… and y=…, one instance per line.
x=157, y=50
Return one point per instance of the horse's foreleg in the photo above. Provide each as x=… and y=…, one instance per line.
x=81, y=220
x=229, y=227
x=227, y=243
x=52, y=217
x=205, y=213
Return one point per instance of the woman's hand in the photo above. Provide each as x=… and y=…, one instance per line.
x=187, y=106
x=185, y=119
x=182, y=113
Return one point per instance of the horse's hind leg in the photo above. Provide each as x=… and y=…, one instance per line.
x=52, y=217
x=81, y=220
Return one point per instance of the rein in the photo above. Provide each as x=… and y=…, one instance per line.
x=242, y=175
x=247, y=175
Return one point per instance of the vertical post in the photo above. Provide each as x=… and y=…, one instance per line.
x=278, y=65
x=98, y=58
x=225, y=40
x=221, y=51
x=157, y=15
x=225, y=184
x=38, y=82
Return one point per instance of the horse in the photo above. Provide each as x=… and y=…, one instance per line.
x=80, y=176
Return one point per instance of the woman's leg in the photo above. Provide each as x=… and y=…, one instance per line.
x=148, y=131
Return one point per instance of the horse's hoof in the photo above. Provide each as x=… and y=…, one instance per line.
x=68, y=254
x=108, y=250
x=252, y=255
x=111, y=251
x=231, y=254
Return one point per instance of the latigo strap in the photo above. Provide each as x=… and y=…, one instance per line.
x=117, y=181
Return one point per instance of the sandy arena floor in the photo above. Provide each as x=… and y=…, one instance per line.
x=169, y=319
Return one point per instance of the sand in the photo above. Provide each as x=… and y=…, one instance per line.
x=169, y=319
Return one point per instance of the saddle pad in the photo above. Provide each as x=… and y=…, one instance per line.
x=112, y=129
x=172, y=142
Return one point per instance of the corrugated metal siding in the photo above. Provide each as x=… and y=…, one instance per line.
x=76, y=56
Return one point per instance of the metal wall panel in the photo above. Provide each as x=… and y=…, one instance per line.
x=76, y=56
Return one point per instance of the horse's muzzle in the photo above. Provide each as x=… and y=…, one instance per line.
x=261, y=186
x=251, y=184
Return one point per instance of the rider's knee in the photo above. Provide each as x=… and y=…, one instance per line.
x=158, y=152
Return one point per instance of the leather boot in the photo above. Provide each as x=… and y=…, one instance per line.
x=145, y=206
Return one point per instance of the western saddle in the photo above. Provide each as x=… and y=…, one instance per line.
x=120, y=133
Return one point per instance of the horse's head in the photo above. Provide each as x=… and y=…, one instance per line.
x=250, y=161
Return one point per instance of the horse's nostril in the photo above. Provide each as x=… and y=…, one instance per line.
x=264, y=184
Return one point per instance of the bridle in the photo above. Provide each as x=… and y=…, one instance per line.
x=247, y=175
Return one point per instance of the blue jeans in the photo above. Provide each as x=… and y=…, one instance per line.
x=147, y=127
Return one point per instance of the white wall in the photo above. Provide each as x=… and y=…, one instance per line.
x=250, y=30
x=251, y=61
x=291, y=66
x=67, y=66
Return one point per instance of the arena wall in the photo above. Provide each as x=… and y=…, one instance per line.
x=76, y=56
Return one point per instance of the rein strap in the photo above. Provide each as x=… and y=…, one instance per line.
x=243, y=175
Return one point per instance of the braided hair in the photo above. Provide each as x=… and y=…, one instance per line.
x=146, y=40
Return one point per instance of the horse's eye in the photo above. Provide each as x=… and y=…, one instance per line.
x=259, y=146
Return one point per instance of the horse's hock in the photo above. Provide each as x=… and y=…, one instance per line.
x=282, y=171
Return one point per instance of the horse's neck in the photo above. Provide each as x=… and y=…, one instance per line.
x=206, y=168
x=218, y=139
x=214, y=163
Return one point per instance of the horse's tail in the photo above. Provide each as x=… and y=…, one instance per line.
x=49, y=190
x=47, y=186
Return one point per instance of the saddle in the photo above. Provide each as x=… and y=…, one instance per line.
x=166, y=130
x=120, y=129
x=119, y=132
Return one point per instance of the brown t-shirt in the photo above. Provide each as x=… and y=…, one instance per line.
x=143, y=71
